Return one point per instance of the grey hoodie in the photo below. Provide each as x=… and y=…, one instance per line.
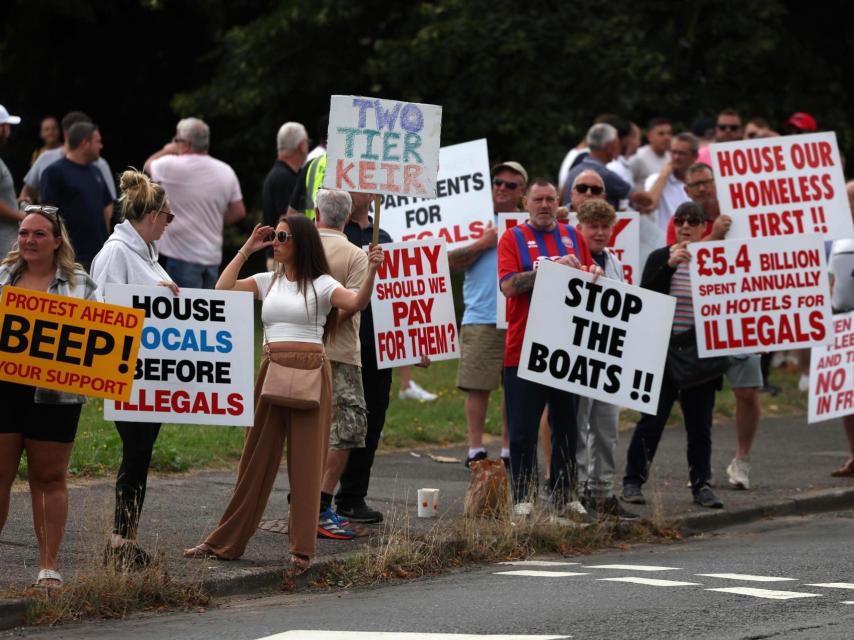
x=126, y=259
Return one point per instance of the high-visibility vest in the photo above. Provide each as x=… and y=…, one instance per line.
x=313, y=183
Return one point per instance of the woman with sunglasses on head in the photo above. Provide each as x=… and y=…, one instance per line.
x=667, y=271
x=130, y=257
x=41, y=422
x=300, y=305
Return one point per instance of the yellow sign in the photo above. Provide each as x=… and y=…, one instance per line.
x=68, y=344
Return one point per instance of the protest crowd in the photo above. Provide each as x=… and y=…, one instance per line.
x=77, y=229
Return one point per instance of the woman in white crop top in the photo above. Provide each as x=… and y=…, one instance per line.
x=300, y=303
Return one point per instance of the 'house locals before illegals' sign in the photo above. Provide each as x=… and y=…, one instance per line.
x=605, y=340
x=68, y=344
x=783, y=186
x=195, y=360
x=760, y=294
x=413, y=306
x=383, y=146
x=463, y=206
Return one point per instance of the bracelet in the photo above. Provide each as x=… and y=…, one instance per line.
x=243, y=253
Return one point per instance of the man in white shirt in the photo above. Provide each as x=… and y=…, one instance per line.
x=629, y=144
x=651, y=157
x=667, y=188
x=205, y=195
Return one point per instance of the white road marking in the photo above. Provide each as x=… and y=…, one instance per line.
x=766, y=593
x=834, y=585
x=652, y=582
x=848, y=602
x=539, y=574
x=744, y=576
x=382, y=635
x=630, y=567
x=538, y=563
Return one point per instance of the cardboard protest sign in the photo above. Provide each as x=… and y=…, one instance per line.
x=383, y=146
x=832, y=373
x=68, y=344
x=195, y=360
x=413, y=306
x=604, y=340
x=463, y=206
x=624, y=243
x=783, y=186
x=760, y=294
x=505, y=222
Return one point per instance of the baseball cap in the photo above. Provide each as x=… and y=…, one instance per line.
x=513, y=166
x=5, y=118
x=802, y=121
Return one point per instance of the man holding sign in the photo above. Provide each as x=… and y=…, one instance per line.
x=519, y=251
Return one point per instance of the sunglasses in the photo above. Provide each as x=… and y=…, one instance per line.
x=700, y=183
x=691, y=222
x=49, y=211
x=507, y=183
x=729, y=127
x=281, y=236
x=169, y=216
x=595, y=190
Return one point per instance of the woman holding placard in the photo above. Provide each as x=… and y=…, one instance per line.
x=130, y=257
x=41, y=422
x=300, y=303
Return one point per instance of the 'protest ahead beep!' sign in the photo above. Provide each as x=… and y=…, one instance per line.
x=761, y=294
x=832, y=373
x=68, y=344
x=413, y=306
x=463, y=206
x=383, y=146
x=604, y=340
x=783, y=186
x=195, y=359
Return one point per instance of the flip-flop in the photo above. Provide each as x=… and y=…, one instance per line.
x=845, y=471
x=48, y=574
x=299, y=563
x=203, y=552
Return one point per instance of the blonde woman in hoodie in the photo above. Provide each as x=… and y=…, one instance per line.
x=129, y=256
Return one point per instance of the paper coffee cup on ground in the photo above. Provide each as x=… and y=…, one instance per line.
x=428, y=502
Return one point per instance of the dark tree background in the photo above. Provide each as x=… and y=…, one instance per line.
x=529, y=78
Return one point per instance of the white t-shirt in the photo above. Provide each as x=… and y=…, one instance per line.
x=842, y=268
x=672, y=196
x=285, y=314
x=646, y=162
x=200, y=188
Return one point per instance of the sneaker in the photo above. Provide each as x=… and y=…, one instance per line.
x=738, y=473
x=359, y=513
x=575, y=511
x=611, y=508
x=330, y=526
x=804, y=382
x=506, y=461
x=480, y=455
x=523, y=509
x=127, y=556
x=705, y=497
x=414, y=392
x=632, y=493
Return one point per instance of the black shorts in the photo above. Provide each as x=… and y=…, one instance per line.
x=47, y=422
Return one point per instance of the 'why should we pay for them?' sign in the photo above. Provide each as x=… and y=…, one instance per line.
x=195, y=359
x=760, y=294
x=68, y=344
x=383, y=146
x=604, y=340
x=412, y=305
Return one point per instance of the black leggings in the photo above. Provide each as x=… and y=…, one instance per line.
x=137, y=444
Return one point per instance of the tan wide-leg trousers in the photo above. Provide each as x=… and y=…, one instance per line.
x=307, y=433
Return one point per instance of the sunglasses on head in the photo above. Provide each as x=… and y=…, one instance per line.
x=595, y=190
x=691, y=221
x=49, y=211
x=507, y=183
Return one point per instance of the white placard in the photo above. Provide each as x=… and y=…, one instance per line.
x=783, y=186
x=413, y=306
x=196, y=357
x=760, y=294
x=832, y=373
x=605, y=340
x=462, y=209
x=624, y=243
x=505, y=222
x=383, y=146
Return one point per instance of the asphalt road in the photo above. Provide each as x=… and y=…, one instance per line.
x=782, y=579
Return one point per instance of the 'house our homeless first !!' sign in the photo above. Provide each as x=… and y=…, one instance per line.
x=383, y=146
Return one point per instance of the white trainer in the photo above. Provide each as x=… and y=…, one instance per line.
x=523, y=509
x=804, y=382
x=738, y=473
x=415, y=392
